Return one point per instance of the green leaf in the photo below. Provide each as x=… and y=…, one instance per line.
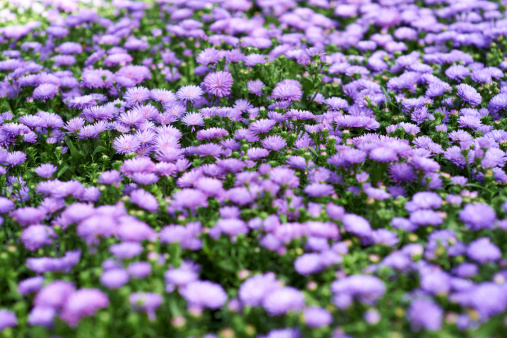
x=62, y=171
x=74, y=153
x=99, y=149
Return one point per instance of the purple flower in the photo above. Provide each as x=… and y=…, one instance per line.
x=283, y=300
x=426, y=218
x=425, y=314
x=316, y=317
x=126, y=143
x=139, y=269
x=218, y=83
x=126, y=250
x=144, y=199
x=114, y=278
x=283, y=333
x=45, y=92
x=110, y=177
x=275, y=143
x=147, y=302
x=6, y=205
x=204, y=294
x=478, y=216
x=46, y=170
x=42, y=316
x=364, y=287
x=253, y=291
x=15, y=158
x=83, y=303
x=189, y=93
x=469, y=94
x=209, y=56
x=54, y=294
x=30, y=285
x=488, y=298
x=307, y=264
x=28, y=215
x=255, y=87
x=356, y=225
x=7, y=319
x=483, y=251
x=261, y=126
x=383, y=154
x=288, y=90
x=36, y=236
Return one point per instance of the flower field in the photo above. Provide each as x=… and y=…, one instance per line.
x=241, y=168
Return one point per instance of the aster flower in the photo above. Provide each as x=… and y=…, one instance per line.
x=425, y=314
x=46, y=170
x=478, y=216
x=144, y=199
x=114, y=278
x=469, y=94
x=208, y=57
x=126, y=143
x=316, y=317
x=204, y=294
x=83, y=303
x=287, y=90
x=189, y=93
x=45, y=92
x=255, y=87
x=146, y=302
x=137, y=95
x=7, y=319
x=218, y=83
x=273, y=143
x=283, y=300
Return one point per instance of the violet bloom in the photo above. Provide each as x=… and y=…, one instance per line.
x=289, y=90
x=218, y=83
x=144, y=199
x=114, y=278
x=363, y=287
x=126, y=250
x=253, y=291
x=316, y=317
x=42, y=316
x=46, y=170
x=478, y=216
x=308, y=263
x=204, y=294
x=45, y=92
x=28, y=215
x=275, y=143
x=283, y=300
x=146, y=302
x=30, y=285
x=139, y=269
x=483, y=251
x=469, y=94
x=54, y=295
x=425, y=314
x=255, y=87
x=189, y=93
x=356, y=225
x=110, y=177
x=7, y=319
x=83, y=303
x=6, y=205
x=36, y=236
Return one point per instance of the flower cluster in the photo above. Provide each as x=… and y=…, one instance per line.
x=225, y=168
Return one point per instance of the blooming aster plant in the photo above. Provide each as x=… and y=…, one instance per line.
x=225, y=168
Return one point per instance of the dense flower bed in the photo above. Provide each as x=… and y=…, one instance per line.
x=269, y=168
